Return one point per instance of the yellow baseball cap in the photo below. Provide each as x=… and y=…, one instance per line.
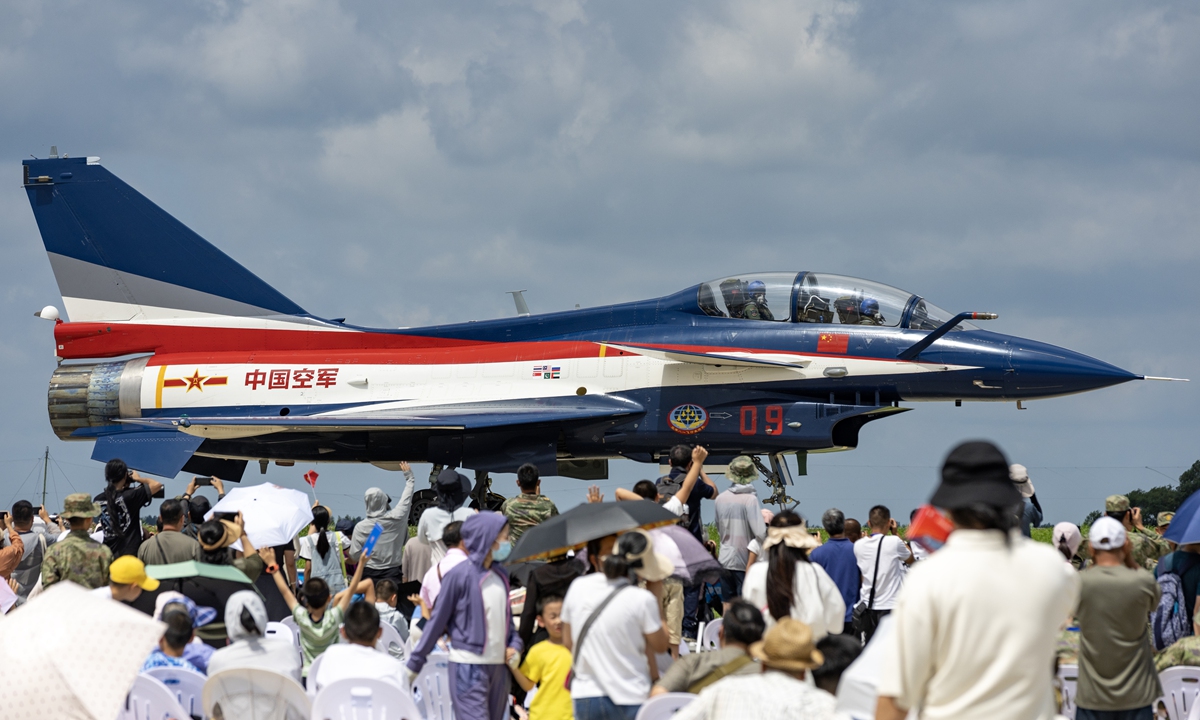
x=128, y=570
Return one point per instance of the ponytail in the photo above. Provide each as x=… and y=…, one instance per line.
x=248, y=624
x=321, y=522
x=626, y=557
x=781, y=568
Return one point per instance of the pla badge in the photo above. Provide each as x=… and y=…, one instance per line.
x=688, y=419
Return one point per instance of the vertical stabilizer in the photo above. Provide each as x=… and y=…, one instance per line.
x=119, y=257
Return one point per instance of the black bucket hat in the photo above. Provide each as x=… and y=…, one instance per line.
x=975, y=472
x=452, y=488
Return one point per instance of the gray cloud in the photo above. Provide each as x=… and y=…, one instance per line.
x=404, y=164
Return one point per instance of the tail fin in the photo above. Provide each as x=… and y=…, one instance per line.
x=119, y=257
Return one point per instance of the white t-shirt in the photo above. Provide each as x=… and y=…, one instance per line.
x=495, y=611
x=98, y=536
x=431, y=525
x=975, y=629
x=347, y=660
x=328, y=568
x=755, y=547
x=891, y=569
x=816, y=601
x=613, y=661
x=103, y=591
x=673, y=506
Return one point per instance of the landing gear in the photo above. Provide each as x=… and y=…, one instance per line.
x=778, y=477
x=482, y=497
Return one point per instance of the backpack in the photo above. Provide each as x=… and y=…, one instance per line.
x=667, y=489
x=1170, y=620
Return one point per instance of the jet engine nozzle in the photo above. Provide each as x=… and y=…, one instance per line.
x=94, y=395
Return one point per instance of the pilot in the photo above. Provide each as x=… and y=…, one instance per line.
x=756, y=308
x=868, y=312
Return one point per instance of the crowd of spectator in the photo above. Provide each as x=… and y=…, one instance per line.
x=972, y=625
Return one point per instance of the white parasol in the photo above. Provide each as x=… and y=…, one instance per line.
x=73, y=655
x=273, y=514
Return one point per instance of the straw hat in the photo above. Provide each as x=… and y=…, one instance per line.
x=788, y=645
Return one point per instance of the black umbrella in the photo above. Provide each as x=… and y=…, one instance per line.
x=583, y=523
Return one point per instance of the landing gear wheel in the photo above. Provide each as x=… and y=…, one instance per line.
x=422, y=501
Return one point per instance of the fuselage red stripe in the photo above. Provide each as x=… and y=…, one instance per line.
x=175, y=345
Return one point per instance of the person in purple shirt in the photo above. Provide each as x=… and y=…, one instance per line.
x=472, y=607
x=836, y=556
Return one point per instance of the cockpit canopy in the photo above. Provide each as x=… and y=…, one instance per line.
x=818, y=298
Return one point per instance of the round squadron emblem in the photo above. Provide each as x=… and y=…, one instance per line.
x=688, y=419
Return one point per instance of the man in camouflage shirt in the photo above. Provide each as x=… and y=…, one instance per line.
x=78, y=557
x=1184, y=651
x=1148, y=546
x=530, y=507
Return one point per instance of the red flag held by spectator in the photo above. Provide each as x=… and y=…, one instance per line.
x=310, y=477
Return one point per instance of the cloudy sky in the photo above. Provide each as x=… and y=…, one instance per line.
x=405, y=163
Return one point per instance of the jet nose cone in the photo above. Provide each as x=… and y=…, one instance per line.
x=1041, y=370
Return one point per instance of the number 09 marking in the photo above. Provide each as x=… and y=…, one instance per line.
x=749, y=420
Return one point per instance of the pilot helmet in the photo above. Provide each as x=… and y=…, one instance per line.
x=869, y=307
x=756, y=287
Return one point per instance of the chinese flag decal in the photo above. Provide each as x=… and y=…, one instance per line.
x=310, y=477
x=833, y=343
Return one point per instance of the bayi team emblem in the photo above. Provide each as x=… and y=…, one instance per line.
x=688, y=419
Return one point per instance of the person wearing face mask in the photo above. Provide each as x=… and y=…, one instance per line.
x=473, y=609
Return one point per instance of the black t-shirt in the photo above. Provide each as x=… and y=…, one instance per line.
x=701, y=491
x=123, y=528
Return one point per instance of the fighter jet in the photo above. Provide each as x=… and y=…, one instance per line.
x=177, y=358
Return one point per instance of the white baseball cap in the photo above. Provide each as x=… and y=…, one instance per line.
x=1107, y=534
x=1020, y=477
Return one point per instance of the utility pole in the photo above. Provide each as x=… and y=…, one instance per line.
x=45, y=469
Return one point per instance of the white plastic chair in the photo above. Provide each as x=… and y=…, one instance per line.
x=1195, y=712
x=431, y=689
x=390, y=637
x=710, y=639
x=310, y=688
x=364, y=699
x=1068, y=678
x=149, y=699
x=254, y=694
x=685, y=649
x=662, y=707
x=700, y=637
x=283, y=630
x=290, y=624
x=391, y=641
x=1180, y=687
x=186, y=685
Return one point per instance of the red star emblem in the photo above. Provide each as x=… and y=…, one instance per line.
x=195, y=381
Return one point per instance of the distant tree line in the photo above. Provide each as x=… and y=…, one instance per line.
x=1163, y=498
